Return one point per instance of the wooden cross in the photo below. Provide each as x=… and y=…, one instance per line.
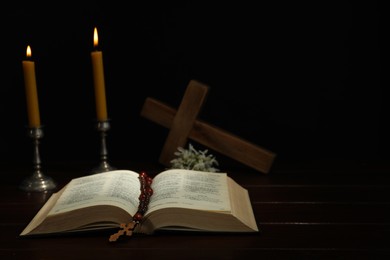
x=126, y=229
x=183, y=125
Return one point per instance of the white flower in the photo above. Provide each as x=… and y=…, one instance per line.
x=193, y=159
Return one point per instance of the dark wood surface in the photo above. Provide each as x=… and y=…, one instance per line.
x=305, y=210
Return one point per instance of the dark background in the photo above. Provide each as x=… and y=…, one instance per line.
x=302, y=79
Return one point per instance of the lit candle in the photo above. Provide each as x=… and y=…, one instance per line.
x=31, y=90
x=98, y=78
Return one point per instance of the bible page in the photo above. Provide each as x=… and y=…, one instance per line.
x=117, y=188
x=190, y=189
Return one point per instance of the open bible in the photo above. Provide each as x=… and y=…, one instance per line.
x=181, y=200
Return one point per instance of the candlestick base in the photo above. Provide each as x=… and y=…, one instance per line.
x=37, y=181
x=104, y=166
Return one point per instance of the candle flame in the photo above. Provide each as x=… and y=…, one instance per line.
x=28, y=51
x=95, y=38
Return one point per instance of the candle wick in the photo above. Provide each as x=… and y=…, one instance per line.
x=96, y=47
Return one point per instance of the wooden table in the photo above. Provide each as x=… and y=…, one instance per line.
x=305, y=210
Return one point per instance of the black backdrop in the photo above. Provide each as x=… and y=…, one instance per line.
x=300, y=79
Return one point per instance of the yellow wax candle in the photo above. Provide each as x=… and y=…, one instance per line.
x=98, y=78
x=31, y=90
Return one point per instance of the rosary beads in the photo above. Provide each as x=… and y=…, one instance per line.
x=144, y=198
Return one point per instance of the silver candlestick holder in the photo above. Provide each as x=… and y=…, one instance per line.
x=104, y=166
x=37, y=181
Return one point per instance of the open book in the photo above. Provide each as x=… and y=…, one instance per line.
x=182, y=199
